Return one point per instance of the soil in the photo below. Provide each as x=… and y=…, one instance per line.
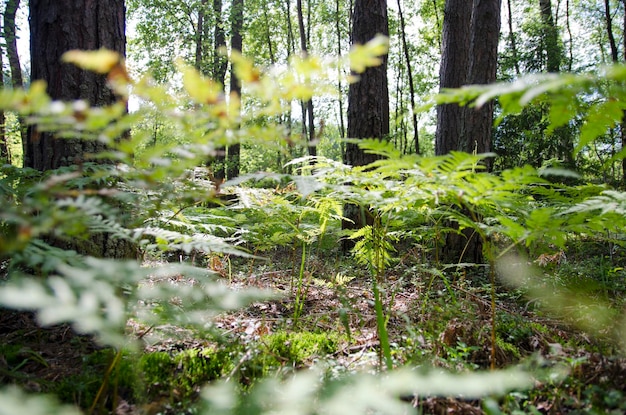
x=46, y=355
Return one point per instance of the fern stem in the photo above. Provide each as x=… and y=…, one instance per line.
x=299, y=293
x=381, y=324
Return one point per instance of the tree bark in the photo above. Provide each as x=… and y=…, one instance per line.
x=236, y=43
x=485, y=33
x=220, y=66
x=10, y=37
x=309, y=120
x=342, y=125
x=200, y=64
x=551, y=37
x=407, y=58
x=368, y=101
x=5, y=157
x=512, y=41
x=473, y=27
x=57, y=26
x=453, y=73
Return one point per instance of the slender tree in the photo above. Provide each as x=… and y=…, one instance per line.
x=342, y=125
x=616, y=59
x=368, y=99
x=512, y=39
x=308, y=116
x=236, y=43
x=10, y=38
x=220, y=66
x=407, y=58
x=5, y=156
x=550, y=36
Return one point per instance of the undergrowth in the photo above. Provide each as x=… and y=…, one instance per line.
x=242, y=301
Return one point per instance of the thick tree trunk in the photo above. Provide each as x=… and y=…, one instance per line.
x=483, y=63
x=368, y=100
x=467, y=129
x=453, y=73
x=57, y=26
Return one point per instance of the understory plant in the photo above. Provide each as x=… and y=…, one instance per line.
x=153, y=200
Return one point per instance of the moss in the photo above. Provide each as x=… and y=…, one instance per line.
x=283, y=349
x=82, y=388
x=179, y=377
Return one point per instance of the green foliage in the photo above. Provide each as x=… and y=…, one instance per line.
x=178, y=376
x=293, y=349
x=154, y=199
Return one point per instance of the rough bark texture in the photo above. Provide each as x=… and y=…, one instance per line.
x=57, y=26
x=453, y=72
x=483, y=62
x=474, y=27
x=368, y=100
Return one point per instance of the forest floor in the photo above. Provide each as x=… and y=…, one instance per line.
x=434, y=322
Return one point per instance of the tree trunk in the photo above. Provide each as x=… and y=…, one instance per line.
x=5, y=157
x=467, y=129
x=57, y=26
x=512, y=41
x=485, y=30
x=453, y=73
x=368, y=100
x=220, y=63
x=236, y=43
x=10, y=37
x=309, y=119
x=220, y=66
x=342, y=125
x=551, y=37
x=407, y=58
